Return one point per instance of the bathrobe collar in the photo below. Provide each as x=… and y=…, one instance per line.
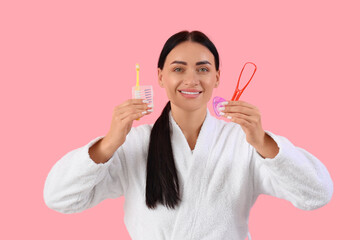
x=192, y=165
x=204, y=140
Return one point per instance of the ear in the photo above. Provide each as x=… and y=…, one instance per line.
x=217, y=79
x=160, y=81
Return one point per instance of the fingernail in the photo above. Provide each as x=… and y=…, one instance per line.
x=150, y=105
x=224, y=103
x=145, y=101
x=221, y=113
x=221, y=108
x=150, y=110
x=228, y=117
x=144, y=112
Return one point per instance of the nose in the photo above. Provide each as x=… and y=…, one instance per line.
x=191, y=79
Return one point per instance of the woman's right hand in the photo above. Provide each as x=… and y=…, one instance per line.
x=122, y=119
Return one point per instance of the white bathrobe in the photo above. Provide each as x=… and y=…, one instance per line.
x=219, y=182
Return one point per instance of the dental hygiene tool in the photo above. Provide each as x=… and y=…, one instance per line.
x=218, y=101
x=142, y=92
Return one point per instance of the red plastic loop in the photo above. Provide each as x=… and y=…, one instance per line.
x=238, y=91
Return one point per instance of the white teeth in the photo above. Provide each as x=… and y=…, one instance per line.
x=190, y=92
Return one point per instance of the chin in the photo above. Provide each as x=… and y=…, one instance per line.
x=188, y=106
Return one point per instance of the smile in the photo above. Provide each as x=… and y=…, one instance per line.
x=191, y=93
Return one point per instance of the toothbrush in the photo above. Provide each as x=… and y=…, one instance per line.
x=142, y=92
x=137, y=87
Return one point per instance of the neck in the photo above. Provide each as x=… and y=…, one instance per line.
x=190, y=122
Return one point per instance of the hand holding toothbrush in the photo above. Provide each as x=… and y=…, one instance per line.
x=128, y=111
x=122, y=119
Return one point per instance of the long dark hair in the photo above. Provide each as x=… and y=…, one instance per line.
x=162, y=184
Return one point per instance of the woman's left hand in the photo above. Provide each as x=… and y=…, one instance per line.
x=248, y=117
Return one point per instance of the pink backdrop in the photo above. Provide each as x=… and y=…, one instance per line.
x=64, y=66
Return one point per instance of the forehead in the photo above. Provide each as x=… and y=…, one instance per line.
x=190, y=52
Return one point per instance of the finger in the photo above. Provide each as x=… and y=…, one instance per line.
x=131, y=102
x=238, y=109
x=238, y=116
x=131, y=116
x=242, y=122
x=250, y=119
x=125, y=112
x=124, y=109
x=137, y=101
x=240, y=103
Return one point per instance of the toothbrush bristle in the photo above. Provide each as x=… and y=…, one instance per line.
x=137, y=67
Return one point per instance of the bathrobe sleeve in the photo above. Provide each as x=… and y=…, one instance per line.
x=76, y=182
x=293, y=174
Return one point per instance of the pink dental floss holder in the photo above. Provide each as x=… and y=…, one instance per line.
x=217, y=101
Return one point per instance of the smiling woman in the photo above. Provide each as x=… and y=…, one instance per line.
x=189, y=175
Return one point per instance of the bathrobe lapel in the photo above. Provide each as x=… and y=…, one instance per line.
x=191, y=168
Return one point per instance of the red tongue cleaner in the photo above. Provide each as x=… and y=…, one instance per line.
x=218, y=101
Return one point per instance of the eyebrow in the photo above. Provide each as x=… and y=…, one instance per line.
x=185, y=63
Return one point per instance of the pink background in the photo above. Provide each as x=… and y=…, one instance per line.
x=64, y=66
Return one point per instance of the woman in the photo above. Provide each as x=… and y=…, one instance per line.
x=190, y=175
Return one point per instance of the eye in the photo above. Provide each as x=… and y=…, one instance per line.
x=203, y=70
x=177, y=69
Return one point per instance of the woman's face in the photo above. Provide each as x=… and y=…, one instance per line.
x=189, y=76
